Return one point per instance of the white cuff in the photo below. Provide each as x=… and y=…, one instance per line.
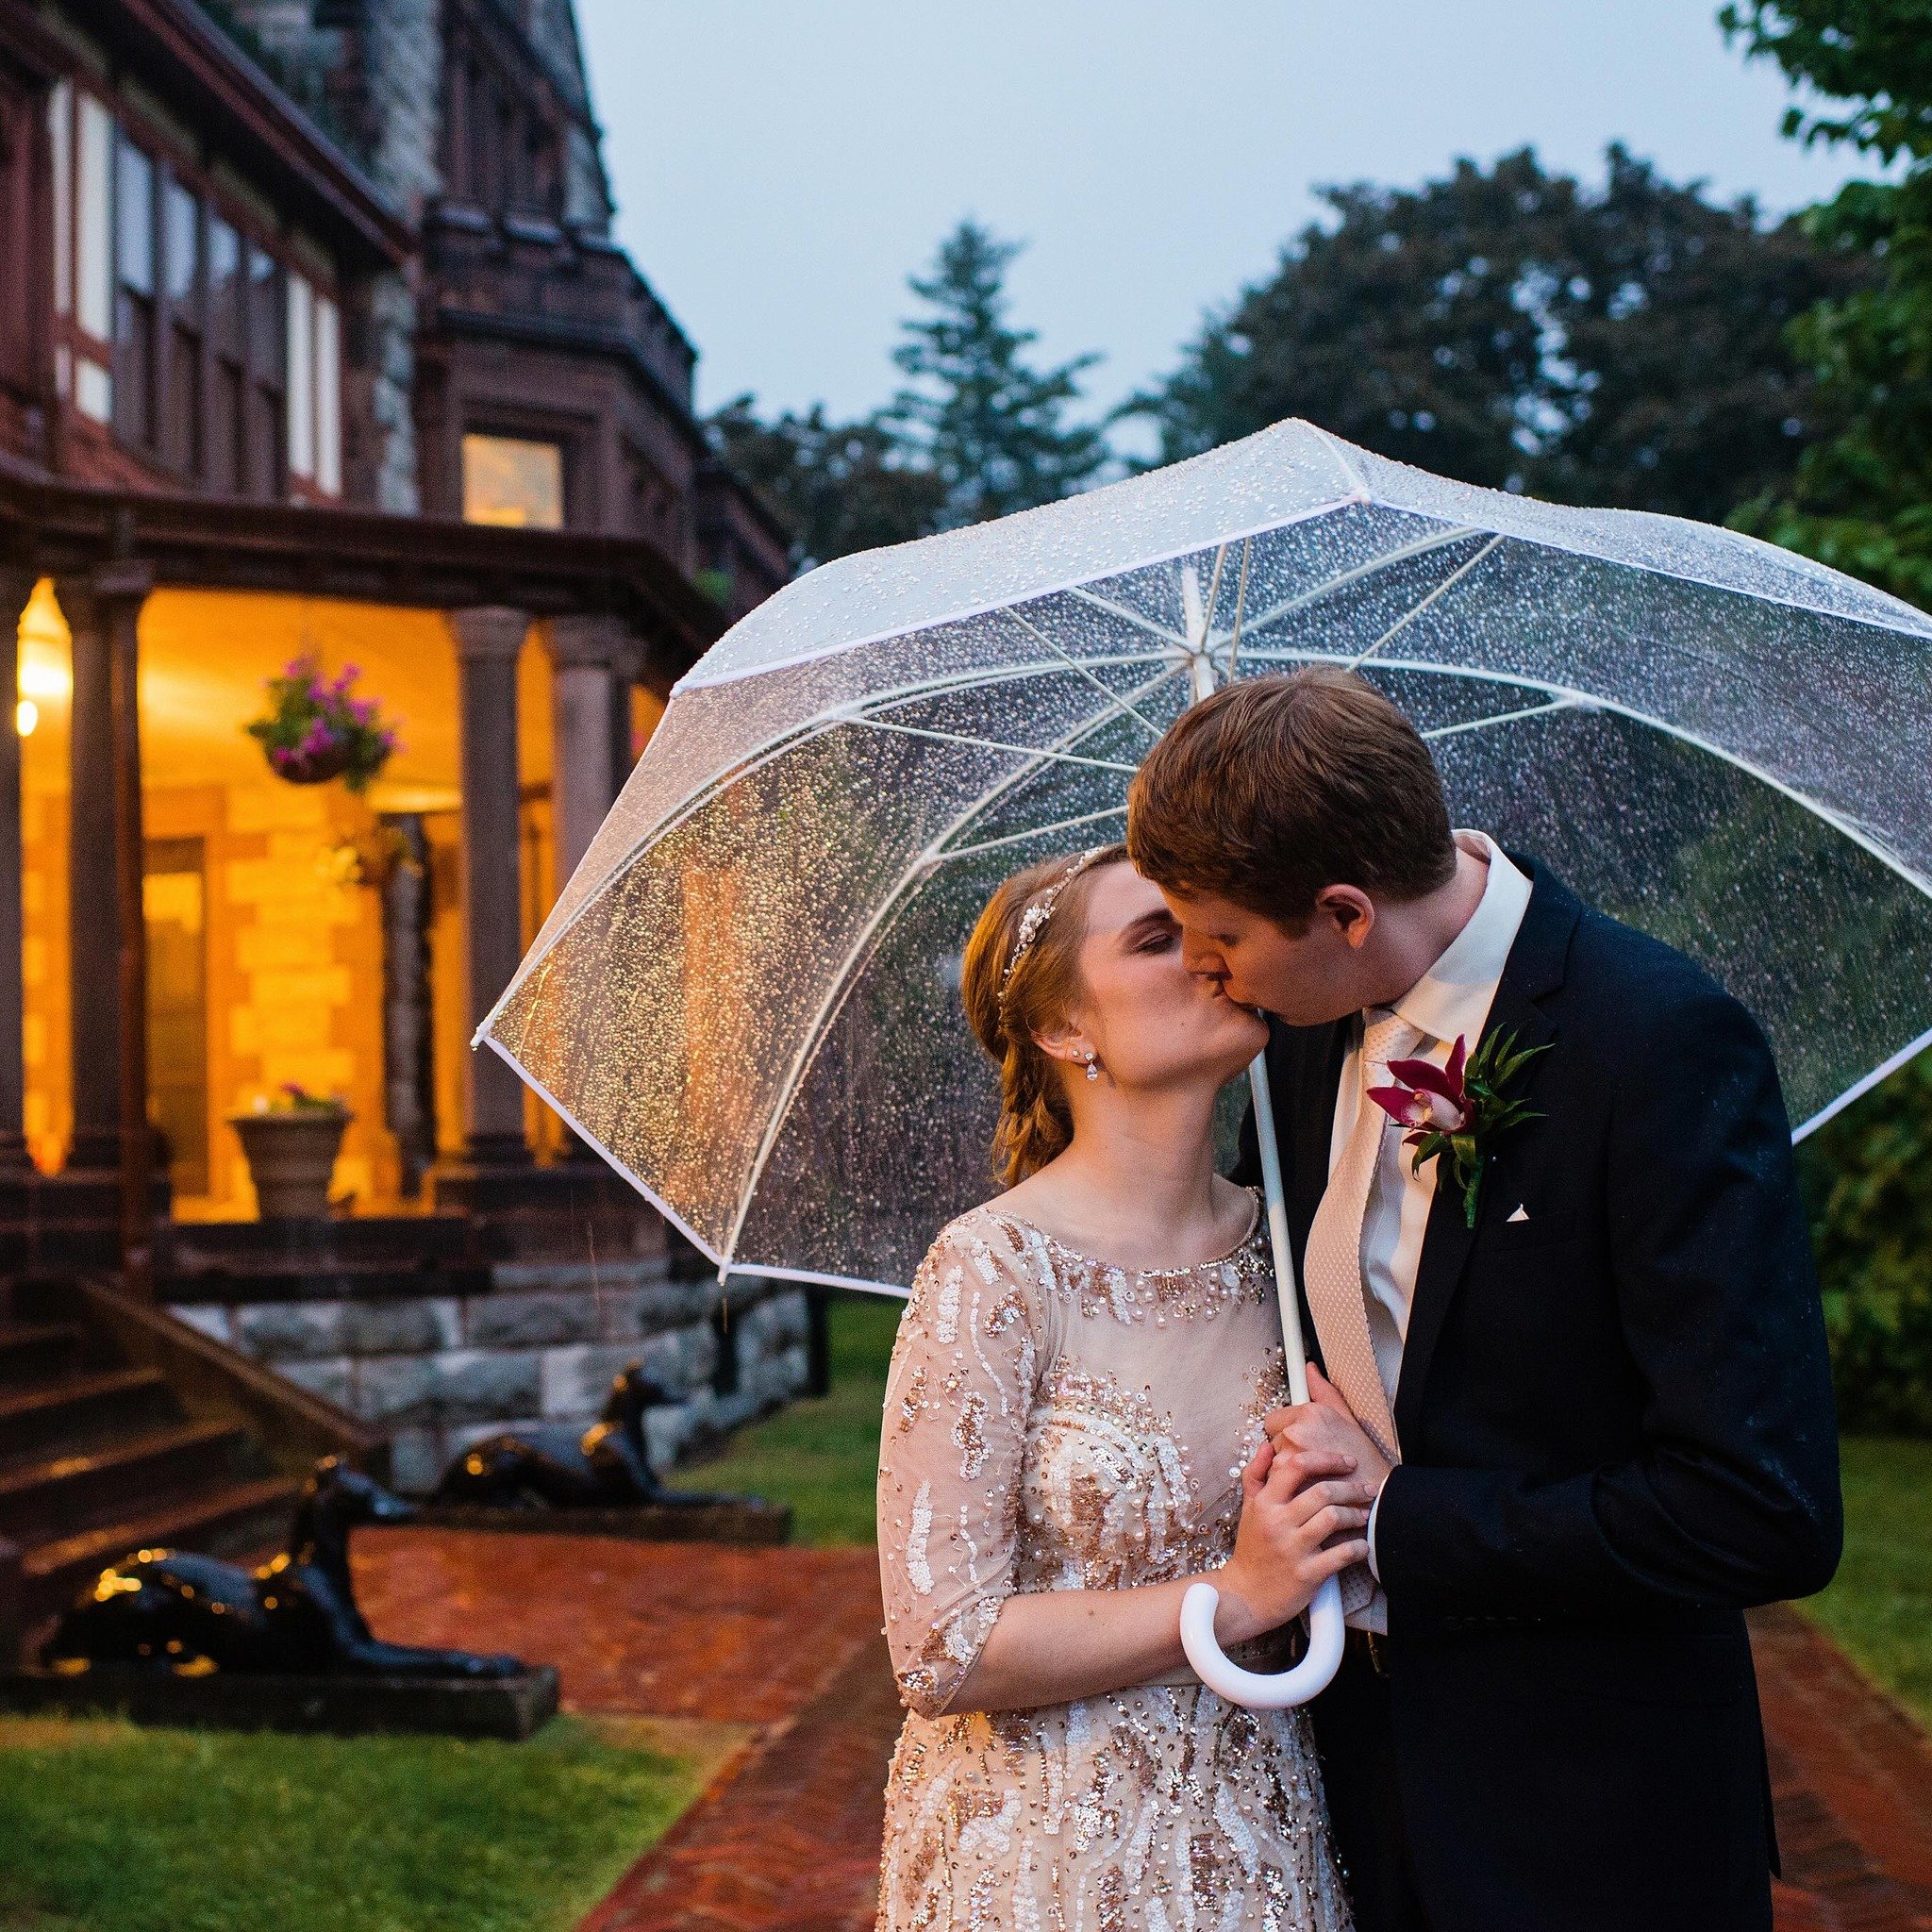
x=1375, y=1511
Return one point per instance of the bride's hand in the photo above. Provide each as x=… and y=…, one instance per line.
x=1301, y=1515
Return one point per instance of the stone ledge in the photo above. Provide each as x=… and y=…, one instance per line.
x=507, y=1707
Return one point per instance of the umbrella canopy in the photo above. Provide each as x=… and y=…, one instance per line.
x=747, y=996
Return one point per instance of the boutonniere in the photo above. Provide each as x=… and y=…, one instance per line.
x=1457, y=1112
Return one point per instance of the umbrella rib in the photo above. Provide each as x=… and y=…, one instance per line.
x=1025, y=751
x=1073, y=663
x=1133, y=617
x=1442, y=731
x=1074, y=824
x=1241, y=598
x=1421, y=546
x=927, y=861
x=758, y=756
x=1591, y=701
x=1415, y=611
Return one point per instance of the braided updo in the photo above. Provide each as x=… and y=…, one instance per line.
x=1036, y=1122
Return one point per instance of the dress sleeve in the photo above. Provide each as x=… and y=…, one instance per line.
x=950, y=1455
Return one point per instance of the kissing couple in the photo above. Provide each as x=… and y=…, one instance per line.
x=1571, y=1414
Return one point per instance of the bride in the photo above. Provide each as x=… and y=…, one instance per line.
x=1073, y=1434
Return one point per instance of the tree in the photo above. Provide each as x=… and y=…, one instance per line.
x=1862, y=498
x=1862, y=501
x=991, y=428
x=1512, y=327
x=840, y=486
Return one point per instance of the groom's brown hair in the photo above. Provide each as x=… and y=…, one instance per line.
x=1275, y=786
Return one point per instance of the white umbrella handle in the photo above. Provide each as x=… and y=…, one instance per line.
x=1258, y=1689
x=1212, y=1665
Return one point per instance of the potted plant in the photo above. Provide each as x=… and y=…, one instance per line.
x=318, y=729
x=291, y=1144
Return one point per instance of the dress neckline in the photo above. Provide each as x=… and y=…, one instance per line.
x=1079, y=1256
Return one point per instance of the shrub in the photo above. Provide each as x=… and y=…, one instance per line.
x=1868, y=1180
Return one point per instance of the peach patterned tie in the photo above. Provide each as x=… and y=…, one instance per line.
x=1332, y=1266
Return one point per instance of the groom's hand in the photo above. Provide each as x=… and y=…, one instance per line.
x=1325, y=1426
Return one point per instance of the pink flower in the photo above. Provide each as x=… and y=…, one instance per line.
x=362, y=711
x=1427, y=1098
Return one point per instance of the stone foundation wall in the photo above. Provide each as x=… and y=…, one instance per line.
x=540, y=1343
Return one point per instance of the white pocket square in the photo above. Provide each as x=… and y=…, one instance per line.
x=1522, y=1212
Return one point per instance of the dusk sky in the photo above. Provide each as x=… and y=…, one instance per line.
x=781, y=166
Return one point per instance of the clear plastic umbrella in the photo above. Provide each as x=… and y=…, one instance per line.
x=747, y=996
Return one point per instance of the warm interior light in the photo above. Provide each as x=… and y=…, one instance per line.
x=27, y=714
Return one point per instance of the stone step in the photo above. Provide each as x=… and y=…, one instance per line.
x=76, y=1410
x=44, y=1498
x=30, y=1351
x=224, y=1520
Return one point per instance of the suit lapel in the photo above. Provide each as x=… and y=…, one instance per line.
x=1534, y=969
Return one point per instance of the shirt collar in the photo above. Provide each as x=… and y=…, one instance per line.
x=1455, y=995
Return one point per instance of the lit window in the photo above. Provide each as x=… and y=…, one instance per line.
x=508, y=479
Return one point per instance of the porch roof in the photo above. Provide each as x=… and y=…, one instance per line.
x=55, y=527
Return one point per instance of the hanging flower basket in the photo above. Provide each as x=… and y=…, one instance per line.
x=318, y=729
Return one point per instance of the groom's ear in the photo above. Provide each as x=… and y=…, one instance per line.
x=1349, y=910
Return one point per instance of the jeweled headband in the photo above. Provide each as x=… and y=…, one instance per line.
x=1033, y=921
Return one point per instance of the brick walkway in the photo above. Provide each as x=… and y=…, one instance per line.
x=784, y=1644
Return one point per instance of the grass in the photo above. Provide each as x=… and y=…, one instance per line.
x=822, y=1457
x=1879, y=1607
x=109, y=1828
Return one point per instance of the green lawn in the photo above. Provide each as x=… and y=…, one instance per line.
x=109, y=1828
x=1879, y=1607
x=820, y=1457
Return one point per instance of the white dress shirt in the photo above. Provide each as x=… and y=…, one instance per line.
x=1453, y=998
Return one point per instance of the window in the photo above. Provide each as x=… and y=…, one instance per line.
x=301, y=377
x=137, y=384
x=185, y=444
x=315, y=396
x=81, y=137
x=262, y=430
x=508, y=479
x=195, y=343
x=61, y=140
x=328, y=396
x=226, y=468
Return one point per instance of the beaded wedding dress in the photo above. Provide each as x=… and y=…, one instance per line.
x=1054, y=1422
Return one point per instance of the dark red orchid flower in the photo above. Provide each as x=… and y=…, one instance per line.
x=1427, y=1098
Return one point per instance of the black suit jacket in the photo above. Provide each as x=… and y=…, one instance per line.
x=1617, y=1430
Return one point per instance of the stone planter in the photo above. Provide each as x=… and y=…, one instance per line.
x=292, y=1155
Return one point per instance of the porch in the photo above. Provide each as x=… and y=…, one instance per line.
x=194, y=933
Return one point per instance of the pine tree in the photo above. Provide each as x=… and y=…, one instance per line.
x=993, y=428
x=1862, y=501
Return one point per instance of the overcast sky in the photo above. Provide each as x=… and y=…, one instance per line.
x=780, y=165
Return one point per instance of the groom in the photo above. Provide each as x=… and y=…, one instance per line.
x=1585, y=1363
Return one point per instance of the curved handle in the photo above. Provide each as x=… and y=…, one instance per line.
x=1256, y=1689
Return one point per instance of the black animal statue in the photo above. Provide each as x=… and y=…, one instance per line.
x=608, y=1467
x=174, y=1611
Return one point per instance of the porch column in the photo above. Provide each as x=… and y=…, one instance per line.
x=584, y=653
x=106, y=929
x=93, y=919
x=489, y=641
x=16, y=587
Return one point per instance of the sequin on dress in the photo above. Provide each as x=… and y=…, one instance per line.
x=1054, y=1423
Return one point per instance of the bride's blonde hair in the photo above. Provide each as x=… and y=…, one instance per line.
x=1015, y=985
